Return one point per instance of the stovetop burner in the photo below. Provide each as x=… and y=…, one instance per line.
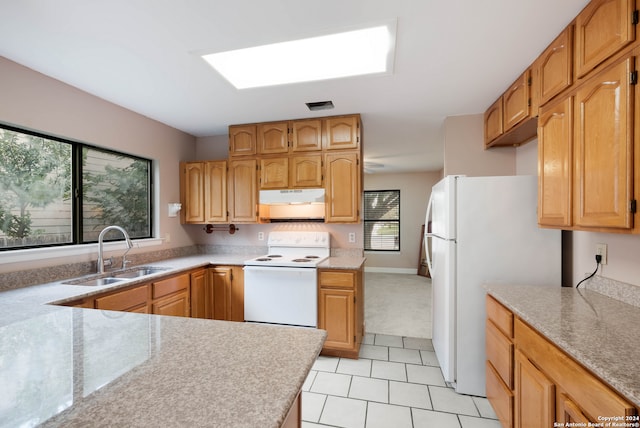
x=306, y=259
x=274, y=255
x=263, y=259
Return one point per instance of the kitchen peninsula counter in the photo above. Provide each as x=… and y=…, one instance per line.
x=72, y=367
x=77, y=367
x=599, y=332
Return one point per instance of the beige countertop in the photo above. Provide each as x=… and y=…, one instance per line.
x=599, y=332
x=69, y=367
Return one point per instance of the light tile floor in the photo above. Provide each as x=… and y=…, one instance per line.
x=396, y=383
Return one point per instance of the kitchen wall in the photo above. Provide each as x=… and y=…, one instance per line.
x=34, y=101
x=464, y=151
x=415, y=189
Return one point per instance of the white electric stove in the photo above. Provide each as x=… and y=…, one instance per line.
x=281, y=286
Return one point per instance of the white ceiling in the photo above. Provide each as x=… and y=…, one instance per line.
x=453, y=57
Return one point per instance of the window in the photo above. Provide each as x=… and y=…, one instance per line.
x=382, y=220
x=59, y=192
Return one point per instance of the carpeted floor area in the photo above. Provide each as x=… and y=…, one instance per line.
x=397, y=304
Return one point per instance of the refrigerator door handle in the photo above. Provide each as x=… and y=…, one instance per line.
x=428, y=236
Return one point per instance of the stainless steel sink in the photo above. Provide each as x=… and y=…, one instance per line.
x=116, y=277
x=138, y=272
x=96, y=282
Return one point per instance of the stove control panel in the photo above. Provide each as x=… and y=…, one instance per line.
x=299, y=239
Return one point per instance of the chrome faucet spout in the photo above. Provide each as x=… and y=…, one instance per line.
x=100, y=246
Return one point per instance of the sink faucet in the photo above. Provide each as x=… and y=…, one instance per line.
x=100, y=242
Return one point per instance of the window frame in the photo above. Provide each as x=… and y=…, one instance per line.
x=366, y=220
x=76, y=193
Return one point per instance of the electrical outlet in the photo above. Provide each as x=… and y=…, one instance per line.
x=601, y=250
x=352, y=237
x=260, y=236
x=167, y=238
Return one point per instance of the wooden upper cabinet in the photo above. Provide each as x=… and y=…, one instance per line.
x=602, y=29
x=305, y=171
x=273, y=137
x=342, y=132
x=215, y=191
x=192, y=191
x=555, y=154
x=342, y=187
x=493, y=125
x=274, y=173
x=242, y=182
x=554, y=66
x=306, y=135
x=290, y=136
x=516, y=101
x=242, y=140
x=603, y=156
x=203, y=192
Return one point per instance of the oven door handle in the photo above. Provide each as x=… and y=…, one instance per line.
x=281, y=268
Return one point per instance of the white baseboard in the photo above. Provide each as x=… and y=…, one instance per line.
x=391, y=270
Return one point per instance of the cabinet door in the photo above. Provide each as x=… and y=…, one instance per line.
x=274, y=173
x=342, y=132
x=493, y=125
x=535, y=396
x=343, y=187
x=336, y=316
x=273, y=137
x=243, y=190
x=555, y=154
x=516, y=101
x=306, y=171
x=242, y=140
x=306, y=135
x=603, y=153
x=219, y=293
x=198, y=281
x=193, y=191
x=176, y=305
x=237, y=294
x=569, y=412
x=555, y=66
x=215, y=192
x=602, y=29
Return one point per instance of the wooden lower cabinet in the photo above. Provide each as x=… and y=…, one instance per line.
x=198, y=290
x=535, y=402
x=218, y=293
x=548, y=386
x=171, y=296
x=341, y=311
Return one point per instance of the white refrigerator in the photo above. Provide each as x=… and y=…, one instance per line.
x=483, y=229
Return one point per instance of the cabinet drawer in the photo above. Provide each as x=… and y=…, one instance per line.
x=123, y=300
x=500, y=353
x=337, y=279
x=500, y=397
x=170, y=285
x=501, y=316
x=595, y=398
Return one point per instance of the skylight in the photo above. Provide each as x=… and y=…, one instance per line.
x=352, y=53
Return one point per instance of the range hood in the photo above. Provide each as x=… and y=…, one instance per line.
x=291, y=196
x=291, y=205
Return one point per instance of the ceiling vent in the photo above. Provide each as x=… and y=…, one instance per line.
x=320, y=105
